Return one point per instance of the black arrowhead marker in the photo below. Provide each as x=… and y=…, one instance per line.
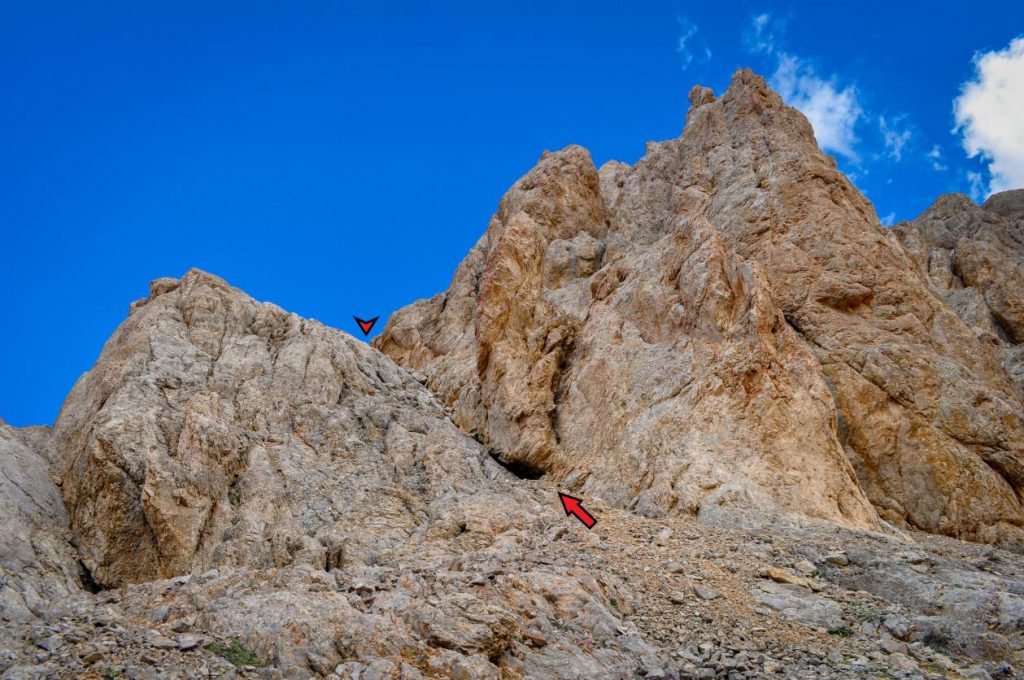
x=365, y=326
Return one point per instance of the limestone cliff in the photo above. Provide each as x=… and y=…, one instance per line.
x=726, y=322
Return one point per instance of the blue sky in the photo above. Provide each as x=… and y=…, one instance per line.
x=340, y=159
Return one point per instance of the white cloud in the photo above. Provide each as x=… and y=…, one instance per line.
x=687, y=31
x=894, y=138
x=889, y=219
x=764, y=34
x=689, y=42
x=935, y=158
x=990, y=117
x=976, y=186
x=833, y=110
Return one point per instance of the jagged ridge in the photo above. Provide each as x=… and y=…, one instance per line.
x=720, y=324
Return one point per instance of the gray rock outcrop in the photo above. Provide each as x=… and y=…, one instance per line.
x=39, y=571
x=300, y=471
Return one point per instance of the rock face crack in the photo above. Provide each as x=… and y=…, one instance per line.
x=520, y=470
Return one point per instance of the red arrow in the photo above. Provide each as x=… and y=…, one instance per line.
x=366, y=325
x=574, y=506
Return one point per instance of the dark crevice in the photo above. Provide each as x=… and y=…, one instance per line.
x=520, y=470
x=334, y=557
x=85, y=576
x=954, y=269
x=792, y=323
x=1002, y=328
x=559, y=384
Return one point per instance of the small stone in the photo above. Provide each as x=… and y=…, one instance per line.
x=837, y=558
x=50, y=644
x=534, y=638
x=319, y=663
x=107, y=617
x=805, y=567
x=187, y=643
x=903, y=662
x=677, y=598
x=783, y=576
x=136, y=673
x=363, y=586
x=109, y=597
x=898, y=626
x=706, y=593
x=155, y=639
x=891, y=646
x=160, y=614
x=686, y=654
x=180, y=626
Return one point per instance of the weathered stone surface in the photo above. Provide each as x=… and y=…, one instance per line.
x=304, y=486
x=216, y=431
x=663, y=378
x=719, y=323
x=928, y=417
x=800, y=604
x=39, y=574
x=974, y=257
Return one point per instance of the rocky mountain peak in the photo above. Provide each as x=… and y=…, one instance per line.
x=761, y=403
x=639, y=325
